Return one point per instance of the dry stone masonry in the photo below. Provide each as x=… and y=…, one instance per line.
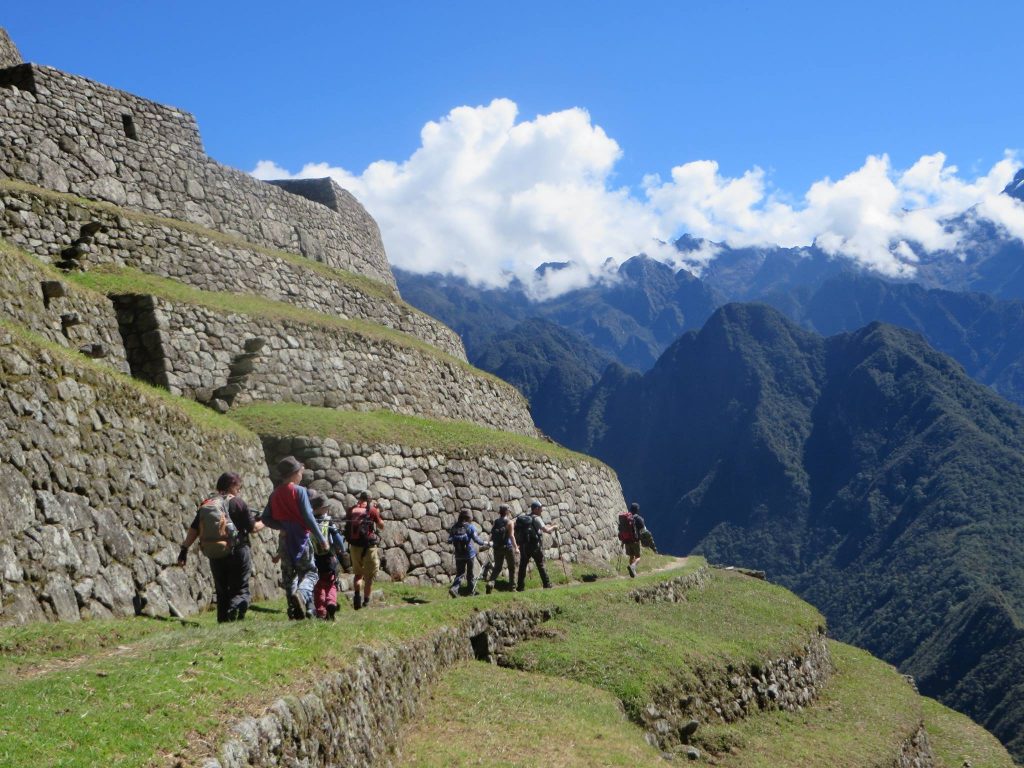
x=60, y=228
x=194, y=351
x=70, y=134
x=422, y=490
x=9, y=55
x=98, y=483
x=57, y=310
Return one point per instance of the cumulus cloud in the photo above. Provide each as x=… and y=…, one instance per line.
x=489, y=197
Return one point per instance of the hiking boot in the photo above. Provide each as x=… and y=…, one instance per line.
x=489, y=588
x=366, y=601
x=310, y=611
x=232, y=615
x=632, y=570
x=357, y=600
x=549, y=586
x=295, y=609
x=331, y=610
x=454, y=591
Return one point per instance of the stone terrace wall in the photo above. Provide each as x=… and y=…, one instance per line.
x=194, y=351
x=9, y=54
x=71, y=134
x=420, y=492
x=98, y=484
x=51, y=226
x=58, y=310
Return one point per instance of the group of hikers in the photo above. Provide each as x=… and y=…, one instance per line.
x=313, y=549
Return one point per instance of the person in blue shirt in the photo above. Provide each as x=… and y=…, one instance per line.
x=462, y=536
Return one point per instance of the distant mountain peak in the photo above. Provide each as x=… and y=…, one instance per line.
x=1016, y=187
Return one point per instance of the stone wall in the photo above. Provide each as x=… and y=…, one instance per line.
x=57, y=310
x=9, y=54
x=56, y=227
x=421, y=491
x=98, y=483
x=211, y=355
x=71, y=134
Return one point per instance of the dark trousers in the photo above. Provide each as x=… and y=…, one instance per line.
x=504, y=556
x=537, y=555
x=467, y=568
x=231, y=583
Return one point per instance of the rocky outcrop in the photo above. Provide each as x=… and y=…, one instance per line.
x=421, y=491
x=59, y=311
x=76, y=135
x=81, y=234
x=209, y=355
x=9, y=54
x=98, y=484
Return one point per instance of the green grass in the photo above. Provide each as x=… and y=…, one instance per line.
x=111, y=280
x=860, y=719
x=119, y=692
x=122, y=391
x=483, y=715
x=45, y=271
x=386, y=427
x=632, y=650
x=367, y=285
x=957, y=740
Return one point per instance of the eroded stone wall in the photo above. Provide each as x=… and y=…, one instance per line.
x=421, y=492
x=98, y=484
x=58, y=229
x=9, y=54
x=212, y=355
x=58, y=310
x=70, y=134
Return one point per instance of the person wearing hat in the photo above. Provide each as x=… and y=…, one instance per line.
x=325, y=593
x=290, y=511
x=529, y=533
x=231, y=572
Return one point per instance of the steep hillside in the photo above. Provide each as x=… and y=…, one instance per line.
x=865, y=470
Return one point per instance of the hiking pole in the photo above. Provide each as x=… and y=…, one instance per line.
x=558, y=538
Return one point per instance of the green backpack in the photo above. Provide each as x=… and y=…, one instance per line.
x=217, y=534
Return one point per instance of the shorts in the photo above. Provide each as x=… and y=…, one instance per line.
x=633, y=548
x=365, y=561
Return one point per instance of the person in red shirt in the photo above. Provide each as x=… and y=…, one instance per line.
x=362, y=524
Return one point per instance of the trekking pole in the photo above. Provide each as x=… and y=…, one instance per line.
x=558, y=538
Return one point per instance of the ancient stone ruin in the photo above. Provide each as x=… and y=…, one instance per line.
x=149, y=293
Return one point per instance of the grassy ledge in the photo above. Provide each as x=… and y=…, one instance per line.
x=958, y=741
x=111, y=280
x=135, y=692
x=386, y=427
x=139, y=390
x=363, y=283
x=482, y=715
x=45, y=271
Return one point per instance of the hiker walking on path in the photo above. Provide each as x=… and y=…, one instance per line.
x=325, y=593
x=463, y=535
x=529, y=530
x=631, y=530
x=362, y=524
x=289, y=511
x=222, y=525
x=504, y=546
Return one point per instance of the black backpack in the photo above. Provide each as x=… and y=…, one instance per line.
x=460, y=538
x=360, y=528
x=526, y=533
x=499, y=533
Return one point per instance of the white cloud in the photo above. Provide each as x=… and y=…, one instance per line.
x=489, y=198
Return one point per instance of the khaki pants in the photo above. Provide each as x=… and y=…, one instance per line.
x=365, y=561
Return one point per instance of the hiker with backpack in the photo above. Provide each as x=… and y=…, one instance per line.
x=462, y=536
x=529, y=532
x=325, y=593
x=631, y=530
x=290, y=512
x=504, y=547
x=362, y=524
x=222, y=526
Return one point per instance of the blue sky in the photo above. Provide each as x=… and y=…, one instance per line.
x=800, y=90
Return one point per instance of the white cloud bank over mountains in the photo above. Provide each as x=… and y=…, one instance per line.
x=487, y=198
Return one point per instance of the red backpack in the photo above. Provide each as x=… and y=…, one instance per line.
x=627, y=527
x=360, y=528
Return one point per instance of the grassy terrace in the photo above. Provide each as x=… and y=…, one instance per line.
x=122, y=390
x=134, y=692
x=385, y=427
x=112, y=280
x=957, y=740
x=360, y=282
